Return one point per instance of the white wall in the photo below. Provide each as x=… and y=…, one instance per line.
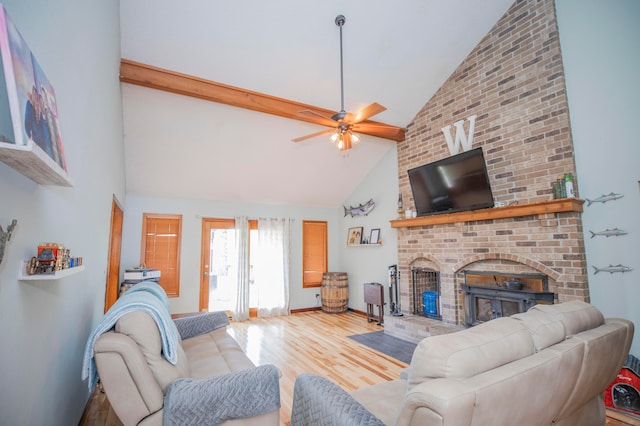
x=192, y=212
x=363, y=264
x=44, y=324
x=369, y=264
x=601, y=52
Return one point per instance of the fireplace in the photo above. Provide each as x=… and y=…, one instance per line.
x=523, y=126
x=425, y=283
x=487, y=295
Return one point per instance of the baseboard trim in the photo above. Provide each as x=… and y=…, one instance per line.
x=318, y=308
x=362, y=314
x=297, y=311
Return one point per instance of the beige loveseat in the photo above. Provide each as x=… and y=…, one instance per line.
x=212, y=380
x=547, y=366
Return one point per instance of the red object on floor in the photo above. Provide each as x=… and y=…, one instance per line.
x=623, y=394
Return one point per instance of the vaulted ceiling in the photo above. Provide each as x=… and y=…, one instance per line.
x=395, y=53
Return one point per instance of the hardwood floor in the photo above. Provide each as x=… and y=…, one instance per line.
x=313, y=342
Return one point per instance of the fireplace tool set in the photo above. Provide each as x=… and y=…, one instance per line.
x=394, y=278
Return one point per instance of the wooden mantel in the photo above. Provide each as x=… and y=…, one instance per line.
x=553, y=206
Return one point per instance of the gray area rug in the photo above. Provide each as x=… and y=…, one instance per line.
x=388, y=345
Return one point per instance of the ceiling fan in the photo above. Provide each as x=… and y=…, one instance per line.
x=343, y=124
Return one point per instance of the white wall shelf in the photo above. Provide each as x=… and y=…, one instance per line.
x=34, y=163
x=23, y=276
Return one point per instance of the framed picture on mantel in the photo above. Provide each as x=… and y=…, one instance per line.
x=30, y=139
x=355, y=236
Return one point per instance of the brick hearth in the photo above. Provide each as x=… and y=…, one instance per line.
x=415, y=328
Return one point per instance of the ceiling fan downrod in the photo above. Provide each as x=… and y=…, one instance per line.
x=339, y=116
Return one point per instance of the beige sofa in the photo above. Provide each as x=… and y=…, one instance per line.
x=547, y=366
x=212, y=381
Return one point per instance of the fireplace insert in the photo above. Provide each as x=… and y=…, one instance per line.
x=487, y=295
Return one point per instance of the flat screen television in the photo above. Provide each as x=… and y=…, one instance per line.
x=456, y=183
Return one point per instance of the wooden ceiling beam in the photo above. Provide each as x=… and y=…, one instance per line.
x=187, y=85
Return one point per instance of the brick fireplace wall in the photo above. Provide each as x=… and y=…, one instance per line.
x=514, y=82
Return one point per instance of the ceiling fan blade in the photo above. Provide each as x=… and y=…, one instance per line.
x=380, y=130
x=313, y=135
x=369, y=125
x=366, y=112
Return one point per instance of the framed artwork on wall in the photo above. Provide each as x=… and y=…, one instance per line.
x=30, y=139
x=375, y=236
x=354, y=237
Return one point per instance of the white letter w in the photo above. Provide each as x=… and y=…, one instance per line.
x=461, y=137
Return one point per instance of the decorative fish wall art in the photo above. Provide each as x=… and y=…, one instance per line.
x=361, y=209
x=604, y=198
x=612, y=268
x=615, y=232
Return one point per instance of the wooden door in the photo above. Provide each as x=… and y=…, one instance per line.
x=115, y=245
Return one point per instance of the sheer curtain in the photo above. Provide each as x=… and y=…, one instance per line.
x=241, y=311
x=271, y=272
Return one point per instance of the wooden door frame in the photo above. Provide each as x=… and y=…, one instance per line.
x=115, y=245
x=205, y=233
x=207, y=225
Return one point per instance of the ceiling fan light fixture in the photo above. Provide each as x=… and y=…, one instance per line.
x=344, y=142
x=344, y=139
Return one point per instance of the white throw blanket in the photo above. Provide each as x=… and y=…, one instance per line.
x=149, y=297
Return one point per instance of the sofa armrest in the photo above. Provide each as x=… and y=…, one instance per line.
x=214, y=400
x=319, y=402
x=196, y=325
x=434, y=400
x=129, y=384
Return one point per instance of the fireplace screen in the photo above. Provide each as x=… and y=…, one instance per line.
x=426, y=292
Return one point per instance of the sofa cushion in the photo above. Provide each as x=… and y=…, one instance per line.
x=140, y=327
x=383, y=400
x=471, y=351
x=214, y=353
x=575, y=315
x=545, y=329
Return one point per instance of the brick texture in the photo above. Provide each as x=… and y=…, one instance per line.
x=513, y=81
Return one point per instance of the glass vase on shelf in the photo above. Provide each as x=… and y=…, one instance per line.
x=568, y=179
